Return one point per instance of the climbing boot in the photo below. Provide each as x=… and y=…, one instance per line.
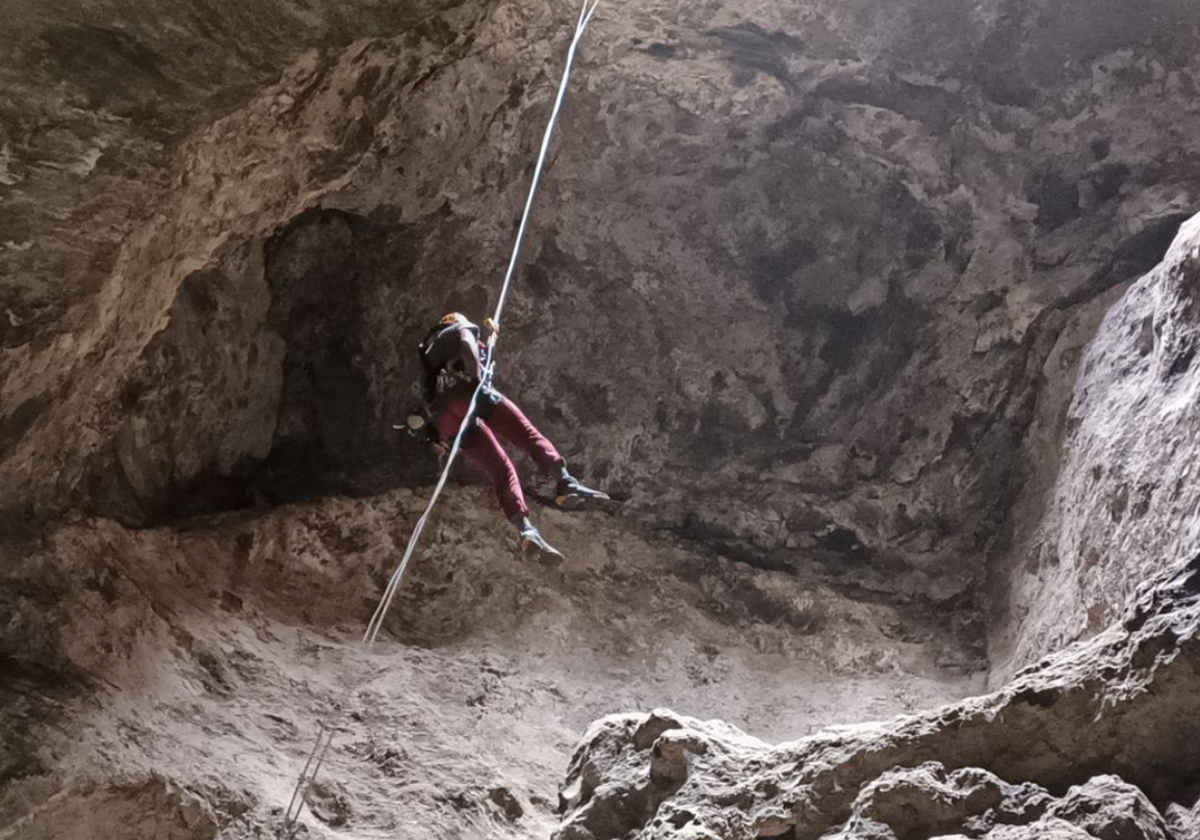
x=571, y=494
x=534, y=545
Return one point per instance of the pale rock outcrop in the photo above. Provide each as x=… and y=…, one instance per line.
x=1112, y=718
x=1125, y=502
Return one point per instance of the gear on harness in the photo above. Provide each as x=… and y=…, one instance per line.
x=418, y=424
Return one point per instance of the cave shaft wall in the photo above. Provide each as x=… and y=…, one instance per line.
x=1122, y=509
x=811, y=263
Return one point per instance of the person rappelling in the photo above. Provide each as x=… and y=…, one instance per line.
x=471, y=415
x=454, y=359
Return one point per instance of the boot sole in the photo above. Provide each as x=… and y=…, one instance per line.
x=573, y=501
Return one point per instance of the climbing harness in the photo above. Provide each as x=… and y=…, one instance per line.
x=325, y=736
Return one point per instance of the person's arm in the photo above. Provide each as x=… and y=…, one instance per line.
x=469, y=348
x=429, y=385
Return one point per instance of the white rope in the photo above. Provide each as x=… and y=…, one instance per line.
x=325, y=737
x=585, y=17
x=311, y=767
x=376, y=623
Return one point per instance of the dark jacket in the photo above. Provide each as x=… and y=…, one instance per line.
x=451, y=354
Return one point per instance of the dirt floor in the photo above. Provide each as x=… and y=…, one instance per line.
x=207, y=656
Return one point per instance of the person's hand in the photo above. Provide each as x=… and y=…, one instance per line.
x=491, y=324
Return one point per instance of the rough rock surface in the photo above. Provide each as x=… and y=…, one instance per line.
x=172, y=680
x=1081, y=746
x=827, y=272
x=812, y=259
x=94, y=99
x=1124, y=505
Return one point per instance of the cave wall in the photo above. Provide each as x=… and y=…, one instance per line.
x=1123, y=506
x=97, y=98
x=840, y=290
x=234, y=187
x=795, y=278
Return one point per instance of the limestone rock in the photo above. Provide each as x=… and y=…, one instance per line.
x=822, y=288
x=1110, y=809
x=931, y=800
x=1183, y=817
x=1122, y=506
x=204, y=656
x=1122, y=702
x=812, y=262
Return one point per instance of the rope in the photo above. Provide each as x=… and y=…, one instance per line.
x=376, y=623
x=325, y=737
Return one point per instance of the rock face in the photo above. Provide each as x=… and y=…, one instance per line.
x=1078, y=747
x=843, y=296
x=1095, y=741
x=96, y=99
x=810, y=265
x=1124, y=503
x=171, y=680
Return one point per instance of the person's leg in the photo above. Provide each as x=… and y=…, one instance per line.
x=484, y=450
x=511, y=424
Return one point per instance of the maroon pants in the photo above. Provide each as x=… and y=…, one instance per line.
x=483, y=446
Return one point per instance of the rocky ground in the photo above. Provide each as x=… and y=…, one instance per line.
x=1080, y=746
x=819, y=267
x=193, y=666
